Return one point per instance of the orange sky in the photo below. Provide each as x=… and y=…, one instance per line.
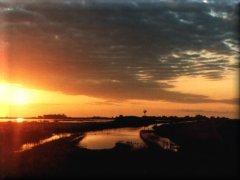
x=18, y=100
x=84, y=62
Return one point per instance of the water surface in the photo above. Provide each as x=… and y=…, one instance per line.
x=28, y=146
x=106, y=139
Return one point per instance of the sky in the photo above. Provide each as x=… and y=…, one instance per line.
x=111, y=57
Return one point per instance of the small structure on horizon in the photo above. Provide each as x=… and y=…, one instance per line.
x=144, y=112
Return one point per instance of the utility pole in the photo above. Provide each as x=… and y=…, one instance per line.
x=144, y=112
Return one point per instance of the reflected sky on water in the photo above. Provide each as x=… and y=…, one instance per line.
x=106, y=139
x=28, y=146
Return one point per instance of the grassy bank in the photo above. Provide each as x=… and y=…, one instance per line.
x=207, y=149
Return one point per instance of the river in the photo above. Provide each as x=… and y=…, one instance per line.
x=105, y=139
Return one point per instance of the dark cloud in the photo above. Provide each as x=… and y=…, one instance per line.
x=119, y=50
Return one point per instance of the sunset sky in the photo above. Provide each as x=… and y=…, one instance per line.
x=112, y=57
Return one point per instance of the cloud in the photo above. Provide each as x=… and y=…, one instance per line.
x=121, y=50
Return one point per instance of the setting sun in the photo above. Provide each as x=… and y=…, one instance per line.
x=13, y=94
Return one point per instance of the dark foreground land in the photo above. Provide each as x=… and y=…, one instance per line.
x=208, y=148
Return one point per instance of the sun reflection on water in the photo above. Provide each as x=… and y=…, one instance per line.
x=28, y=146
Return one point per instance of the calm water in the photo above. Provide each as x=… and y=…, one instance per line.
x=54, y=137
x=106, y=139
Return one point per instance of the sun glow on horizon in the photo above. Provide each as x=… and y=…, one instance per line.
x=20, y=120
x=22, y=101
x=14, y=94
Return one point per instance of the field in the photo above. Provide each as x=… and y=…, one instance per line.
x=207, y=149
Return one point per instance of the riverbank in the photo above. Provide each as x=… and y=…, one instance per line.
x=13, y=135
x=210, y=145
x=201, y=154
